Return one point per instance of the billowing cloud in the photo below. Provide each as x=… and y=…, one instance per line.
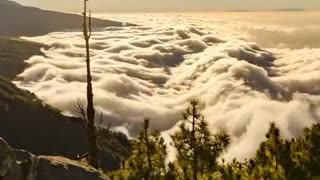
x=152, y=70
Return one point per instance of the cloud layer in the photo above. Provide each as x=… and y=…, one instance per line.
x=152, y=70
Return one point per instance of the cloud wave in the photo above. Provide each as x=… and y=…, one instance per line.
x=152, y=70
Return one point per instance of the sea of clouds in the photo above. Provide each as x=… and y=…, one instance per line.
x=151, y=70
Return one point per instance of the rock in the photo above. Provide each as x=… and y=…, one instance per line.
x=28, y=163
x=60, y=168
x=9, y=169
x=23, y=165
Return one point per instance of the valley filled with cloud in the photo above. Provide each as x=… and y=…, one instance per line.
x=245, y=74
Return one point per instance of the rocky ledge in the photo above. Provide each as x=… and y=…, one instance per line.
x=23, y=165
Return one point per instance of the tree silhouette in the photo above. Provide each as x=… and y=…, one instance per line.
x=197, y=148
x=147, y=160
x=280, y=159
x=198, y=151
x=90, y=106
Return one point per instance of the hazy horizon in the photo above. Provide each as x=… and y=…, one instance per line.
x=174, y=6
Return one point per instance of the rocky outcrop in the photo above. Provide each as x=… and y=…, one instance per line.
x=9, y=168
x=28, y=163
x=53, y=168
x=22, y=165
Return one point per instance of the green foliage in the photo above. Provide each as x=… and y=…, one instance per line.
x=277, y=159
x=147, y=160
x=306, y=152
x=197, y=148
x=198, y=151
x=113, y=148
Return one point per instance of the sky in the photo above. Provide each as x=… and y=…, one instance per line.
x=173, y=5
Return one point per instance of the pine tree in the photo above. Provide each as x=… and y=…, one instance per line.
x=306, y=153
x=280, y=159
x=197, y=148
x=147, y=160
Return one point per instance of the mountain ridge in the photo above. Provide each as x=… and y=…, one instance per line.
x=17, y=20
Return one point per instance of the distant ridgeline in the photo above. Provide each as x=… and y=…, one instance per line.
x=17, y=20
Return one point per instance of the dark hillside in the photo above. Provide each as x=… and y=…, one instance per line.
x=13, y=53
x=27, y=123
x=17, y=20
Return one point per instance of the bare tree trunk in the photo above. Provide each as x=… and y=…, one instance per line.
x=146, y=127
x=194, y=145
x=90, y=106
